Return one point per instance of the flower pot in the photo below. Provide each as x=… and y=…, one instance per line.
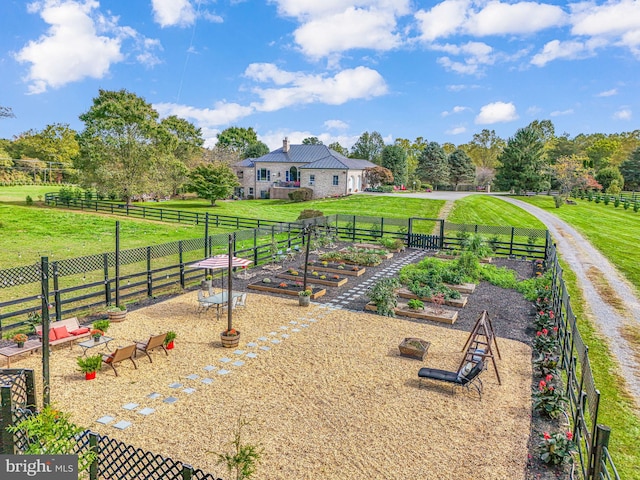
x=117, y=315
x=304, y=300
x=206, y=285
x=169, y=346
x=96, y=339
x=90, y=375
x=20, y=344
x=230, y=341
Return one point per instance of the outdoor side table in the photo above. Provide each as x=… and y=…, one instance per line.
x=89, y=344
x=13, y=350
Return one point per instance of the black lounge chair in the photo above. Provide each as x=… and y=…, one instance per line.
x=467, y=376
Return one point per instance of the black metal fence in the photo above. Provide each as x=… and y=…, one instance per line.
x=592, y=438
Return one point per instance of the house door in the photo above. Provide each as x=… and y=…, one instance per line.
x=292, y=175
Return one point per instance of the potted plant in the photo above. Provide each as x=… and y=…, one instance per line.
x=415, y=304
x=96, y=334
x=206, y=283
x=89, y=365
x=168, y=340
x=230, y=338
x=304, y=297
x=20, y=338
x=102, y=325
x=117, y=314
x=414, y=348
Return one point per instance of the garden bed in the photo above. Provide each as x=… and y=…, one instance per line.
x=467, y=288
x=372, y=246
x=330, y=282
x=453, y=302
x=334, y=268
x=381, y=253
x=447, y=256
x=290, y=289
x=437, y=315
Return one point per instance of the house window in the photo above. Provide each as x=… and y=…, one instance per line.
x=292, y=175
x=250, y=190
x=335, y=179
x=240, y=175
x=312, y=179
x=263, y=175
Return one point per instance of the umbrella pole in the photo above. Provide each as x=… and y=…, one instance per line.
x=229, y=285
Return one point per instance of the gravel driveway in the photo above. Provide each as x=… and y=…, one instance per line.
x=581, y=256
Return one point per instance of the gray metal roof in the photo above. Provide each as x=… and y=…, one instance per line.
x=247, y=162
x=314, y=156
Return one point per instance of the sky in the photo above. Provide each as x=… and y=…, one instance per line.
x=332, y=69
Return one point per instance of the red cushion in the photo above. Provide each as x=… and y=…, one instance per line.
x=79, y=331
x=52, y=334
x=61, y=332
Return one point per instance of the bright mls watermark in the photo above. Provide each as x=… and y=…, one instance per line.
x=49, y=467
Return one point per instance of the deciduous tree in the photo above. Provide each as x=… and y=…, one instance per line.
x=368, y=147
x=570, y=173
x=212, y=182
x=375, y=176
x=608, y=175
x=312, y=141
x=336, y=147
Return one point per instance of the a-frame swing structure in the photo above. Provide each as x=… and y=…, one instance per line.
x=481, y=343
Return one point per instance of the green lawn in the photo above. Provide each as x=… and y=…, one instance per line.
x=17, y=195
x=484, y=210
x=613, y=231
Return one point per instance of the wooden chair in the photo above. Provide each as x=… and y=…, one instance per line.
x=120, y=354
x=155, y=341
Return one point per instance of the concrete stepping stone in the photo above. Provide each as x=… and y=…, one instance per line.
x=285, y=335
x=223, y=372
x=189, y=390
x=295, y=330
x=263, y=339
x=193, y=376
x=293, y=322
x=170, y=400
x=252, y=344
x=284, y=328
x=304, y=325
x=146, y=411
x=273, y=333
x=238, y=352
x=265, y=348
x=154, y=395
x=225, y=360
x=122, y=425
x=209, y=368
x=275, y=340
x=207, y=381
x=106, y=420
x=239, y=363
x=130, y=406
x=175, y=385
x=252, y=355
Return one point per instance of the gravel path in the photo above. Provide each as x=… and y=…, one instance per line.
x=586, y=262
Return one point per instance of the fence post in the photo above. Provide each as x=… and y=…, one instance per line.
x=381, y=227
x=255, y=247
x=31, y=390
x=107, y=284
x=409, y=233
x=93, y=445
x=149, y=276
x=118, y=261
x=44, y=280
x=513, y=231
x=56, y=291
x=187, y=472
x=601, y=441
x=353, y=233
x=180, y=259
x=6, y=438
x=441, y=240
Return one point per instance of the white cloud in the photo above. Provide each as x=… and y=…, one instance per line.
x=497, y=112
x=608, y=93
x=477, y=54
x=456, y=130
x=556, y=49
x=350, y=84
x=74, y=47
x=560, y=113
x=335, y=125
x=443, y=20
x=612, y=18
x=461, y=87
x=168, y=13
x=454, y=110
x=623, y=114
x=533, y=110
x=223, y=113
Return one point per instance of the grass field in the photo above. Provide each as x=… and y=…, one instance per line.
x=484, y=210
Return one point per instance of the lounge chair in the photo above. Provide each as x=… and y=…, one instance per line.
x=155, y=341
x=468, y=375
x=120, y=354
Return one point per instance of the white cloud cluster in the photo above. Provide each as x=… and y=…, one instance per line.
x=454, y=110
x=623, y=114
x=79, y=43
x=497, y=112
x=168, y=13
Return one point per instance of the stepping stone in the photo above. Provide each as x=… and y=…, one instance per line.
x=239, y=363
x=154, y=395
x=130, y=406
x=265, y=348
x=275, y=340
x=295, y=330
x=312, y=320
x=304, y=325
x=209, y=368
x=273, y=333
x=193, y=376
x=146, y=411
x=285, y=335
x=175, y=385
x=106, y=420
x=189, y=390
x=252, y=344
x=238, y=352
x=225, y=360
x=252, y=355
x=223, y=372
x=207, y=381
x=293, y=322
x=170, y=400
x=284, y=328
x=122, y=425
x=263, y=339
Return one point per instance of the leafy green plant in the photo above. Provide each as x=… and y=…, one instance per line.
x=548, y=400
x=547, y=364
x=102, y=325
x=383, y=295
x=89, y=364
x=243, y=457
x=556, y=448
x=546, y=341
x=415, y=304
x=171, y=336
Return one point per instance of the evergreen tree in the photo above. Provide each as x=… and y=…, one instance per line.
x=394, y=158
x=368, y=147
x=433, y=167
x=630, y=170
x=523, y=163
x=461, y=169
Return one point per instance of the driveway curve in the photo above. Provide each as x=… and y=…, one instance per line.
x=588, y=263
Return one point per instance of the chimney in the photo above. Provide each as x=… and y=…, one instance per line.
x=285, y=145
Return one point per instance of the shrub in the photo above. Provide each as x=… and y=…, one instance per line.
x=548, y=400
x=301, y=194
x=384, y=296
x=29, y=200
x=607, y=199
x=309, y=213
x=546, y=340
x=636, y=206
x=558, y=200
x=557, y=448
x=616, y=202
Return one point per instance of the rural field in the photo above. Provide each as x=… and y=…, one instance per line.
x=31, y=231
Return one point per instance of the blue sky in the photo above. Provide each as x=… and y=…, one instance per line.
x=328, y=68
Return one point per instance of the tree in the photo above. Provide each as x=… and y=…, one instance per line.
x=484, y=148
x=630, y=170
x=570, y=173
x=608, y=175
x=433, y=167
x=375, y=176
x=120, y=145
x=522, y=163
x=601, y=151
x=561, y=147
x=6, y=112
x=336, y=147
x=255, y=150
x=394, y=159
x=212, y=182
x=237, y=139
x=311, y=141
x=368, y=147
x=184, y=140
x=461, y=169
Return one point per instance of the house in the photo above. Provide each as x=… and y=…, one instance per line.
x=317, y=167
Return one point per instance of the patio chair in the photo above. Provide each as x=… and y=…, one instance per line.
x=120, y=354
x=155, y=341
x=242, y=301
x=234, y=304
x=203, y=304
x=467, y=376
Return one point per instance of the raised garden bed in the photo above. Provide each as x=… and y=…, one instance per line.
x=351, y=270
x=329, y=281
x=290, y=289
x=373, y=246
x=428, y=313
x=414, y=348
x=382, y=255
x=446, y=256
x=467, y=288
x=454, y=302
